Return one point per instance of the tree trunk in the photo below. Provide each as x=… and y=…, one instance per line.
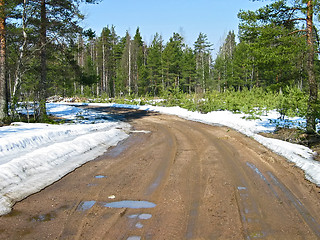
x=313, y=88
x=18, y=72
x=129, y=70
x=104, y=84
x=97, y=71
x=3, y=79
x=43, y=60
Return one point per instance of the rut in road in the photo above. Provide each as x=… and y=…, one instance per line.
x=180, y=180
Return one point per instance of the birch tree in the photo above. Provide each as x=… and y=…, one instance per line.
x=202, y=49
x=3, y=80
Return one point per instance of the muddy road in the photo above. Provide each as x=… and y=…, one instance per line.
x=173, y=179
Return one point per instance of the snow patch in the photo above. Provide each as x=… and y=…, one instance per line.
x=301, y=156
x=33, y=156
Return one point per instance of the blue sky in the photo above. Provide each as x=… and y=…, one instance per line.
x=187, y=17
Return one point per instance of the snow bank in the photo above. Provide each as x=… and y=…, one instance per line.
x=32, y=156
x=300, y=155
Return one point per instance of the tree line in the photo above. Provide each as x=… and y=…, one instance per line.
x=115, y=66
x=278, y=48
x=44, y=52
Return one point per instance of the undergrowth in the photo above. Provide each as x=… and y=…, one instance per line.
x=289, y=102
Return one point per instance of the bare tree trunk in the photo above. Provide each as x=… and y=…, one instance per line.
x=3, y=79
x=104, y=84
x=43, y=59
x=97, y=71
x=313, y=88
x=203, y=76
x=18, y=73
x=129, y=67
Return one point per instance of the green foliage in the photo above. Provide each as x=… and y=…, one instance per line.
x=255, y=102
x=292, y=102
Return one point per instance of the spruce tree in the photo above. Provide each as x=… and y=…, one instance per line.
x=155, y=85
x=172, y=61
x=300, y=13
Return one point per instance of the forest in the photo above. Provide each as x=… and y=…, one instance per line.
x=45, y=52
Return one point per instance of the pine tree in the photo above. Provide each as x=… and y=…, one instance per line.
x=224, y=69
x=202, y=49
x=172, y=61
x=189, y=71
x=155, y=85
x=289, y=15
x=55, y=22
x=137, y=59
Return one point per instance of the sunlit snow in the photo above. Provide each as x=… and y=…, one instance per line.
x=298, y=154
x=32, y=156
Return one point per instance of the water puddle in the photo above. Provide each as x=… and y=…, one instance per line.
x=259, y=173
x=155, y=184
x=143, y=216
x=257, y=235
x=139, y=225
x=43, y=217
x=249, y=212
x=100, y=176
x=130, y=204
x=119, y=148
x=86, y=205
x=134, y=238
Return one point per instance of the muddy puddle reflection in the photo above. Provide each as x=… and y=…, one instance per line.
x=100, y=176
x=130, y=204
x=85, y=205
x=43, y=217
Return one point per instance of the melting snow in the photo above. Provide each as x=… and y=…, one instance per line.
x=33, y=156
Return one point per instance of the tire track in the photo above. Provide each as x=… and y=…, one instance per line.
x=207, y=183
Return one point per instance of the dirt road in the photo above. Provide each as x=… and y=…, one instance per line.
x=179, y=180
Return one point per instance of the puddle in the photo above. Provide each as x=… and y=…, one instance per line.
x=100, y=176
x=257, y=171
x=130, y=204
x=257, y=235
x=86, y=205
x=155, y=184
x=139, y=225
x=119, y=148
x=43, y=217
x=242, y=188
x=134, y=238
x=143, y=216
